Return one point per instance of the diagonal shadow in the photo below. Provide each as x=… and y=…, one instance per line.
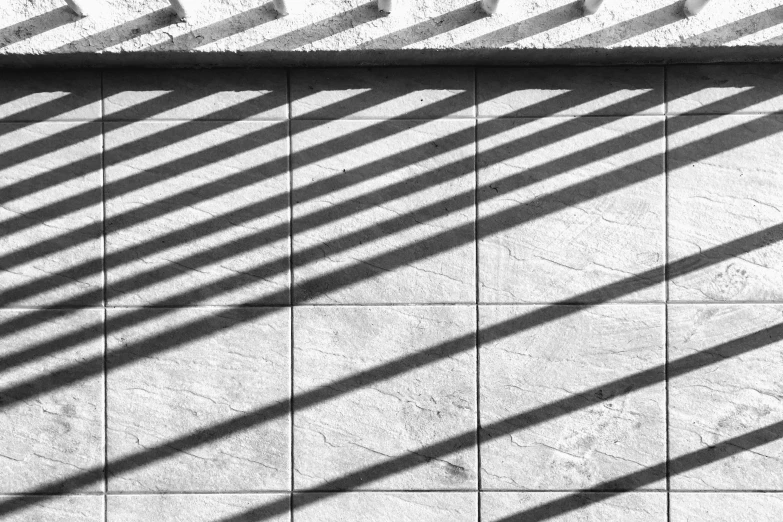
x=386, y=228
x=177, y=167
x=427, y=29
x=538, y=24
x=36, y=25
x=73, y=136
x=325, y=28
x=174, y=168
x=219, y=30
x=267, y=206
x=120, y=33
x=440, y=242
x=444, y=241
x=318, y=218
x=562, y=407
x=682, y=464
x=767, y=239
x=627, y=29
x=724, y=34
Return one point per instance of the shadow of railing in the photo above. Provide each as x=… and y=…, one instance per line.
x=36, y=25
x=399, y=256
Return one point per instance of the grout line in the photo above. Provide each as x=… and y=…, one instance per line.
x=647, y=491
x=104, y=296
x=476, y=273
x=290, y=294
x=419, y=305
x=666, y=285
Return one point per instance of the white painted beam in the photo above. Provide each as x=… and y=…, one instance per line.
x=491, y=6
x=591, y=6
x=693, y=7
x=386, y=6
x=80, y=7
x=185, y=8
x=287, y=7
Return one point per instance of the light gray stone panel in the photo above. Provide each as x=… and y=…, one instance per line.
x=726, y=507
x=382, y=506
x=197, y=508
x=568, y=206
x=373, y=422
x=57, y=433
x=574, y=507
x=204, y=94
x=50, y=215
x=178, y=385
x=724, y=89
x=35, y=95
x=385, y=92
x=384, y=212
x=197, y=213
x=514, y=92
x=725, y=183
x=728, y=386
x=591, y=355
x=82, y=508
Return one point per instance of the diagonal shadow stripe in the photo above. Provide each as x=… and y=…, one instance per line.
x=318, y=218
x=117, y=34
x=676, y=466
x=537, y=24
x=342, y=21
x=599, y=394
x=374, y=169
x=211, y=33
x=627, y=29
x=427, y=29
x=260, y=208
x=176, y=168
x=75, y=135
x=443, y=241
x=36, y=25
x=46, y=112
x=724, y=34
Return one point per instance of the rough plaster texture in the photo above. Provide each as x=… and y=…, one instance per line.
x=351, y=32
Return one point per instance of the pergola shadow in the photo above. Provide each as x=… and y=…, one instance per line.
x=399, y=256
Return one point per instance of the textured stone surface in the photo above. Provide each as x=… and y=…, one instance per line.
x=725, y=182
x=200, y=425
x=58, y=509
x=381, y=507
x=231, y=94
x=225, y=32
x=612, y=435
x=727, y=392
x=197, y=212
x=568, y=206
x=376, y=421
x=726, y=507
x=50, y=95
x=50, y=213
x=382, y=93
x=565, y=507
x=516, y=92
x=179, y=387
x=50, y=435
x=194, y=508
x=368, y=196
x=722, y=89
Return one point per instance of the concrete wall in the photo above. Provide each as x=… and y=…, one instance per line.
x=353, y=32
